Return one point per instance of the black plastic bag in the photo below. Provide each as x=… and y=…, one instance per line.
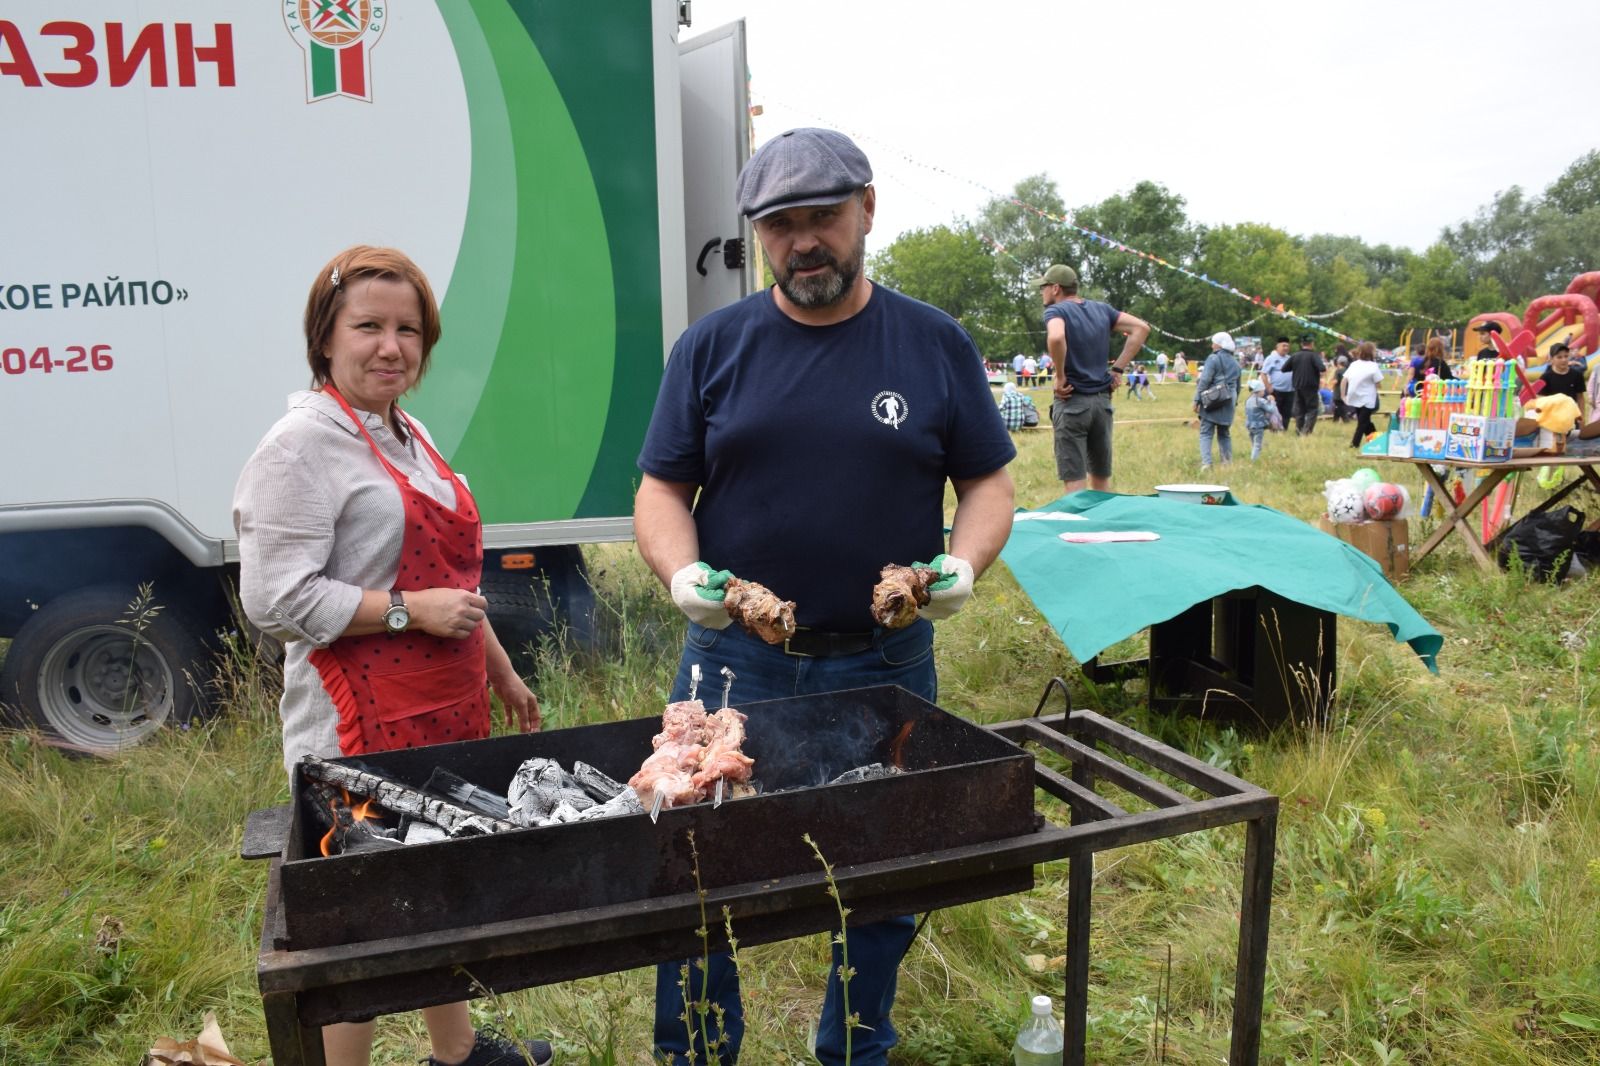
x=1544, y=542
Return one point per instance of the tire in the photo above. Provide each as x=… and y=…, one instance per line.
x=524, y=605
x=93, y=680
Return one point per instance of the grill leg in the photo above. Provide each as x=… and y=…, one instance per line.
x=292, y=1044
x=1080, y=886
x=1080, y=883
x=1255, y=910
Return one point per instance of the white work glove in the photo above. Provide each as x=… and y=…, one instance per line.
x=949, y=593
x=699, y=591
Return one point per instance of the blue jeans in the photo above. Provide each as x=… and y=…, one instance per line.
x=764, y=672
x=1224, y=434
x=1256, y=436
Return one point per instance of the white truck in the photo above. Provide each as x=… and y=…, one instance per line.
x=176, y=173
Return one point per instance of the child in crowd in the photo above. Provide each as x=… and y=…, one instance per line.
x=1257, y=416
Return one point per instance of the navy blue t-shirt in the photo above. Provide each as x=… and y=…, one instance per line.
x=1088, y=325
x=822, y=451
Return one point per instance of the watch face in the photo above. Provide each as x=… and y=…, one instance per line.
x=396, y=618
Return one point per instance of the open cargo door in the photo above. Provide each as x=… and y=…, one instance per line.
x=716, y=143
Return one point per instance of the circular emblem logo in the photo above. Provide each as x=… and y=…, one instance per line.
x=889, y=408
x=335, y=23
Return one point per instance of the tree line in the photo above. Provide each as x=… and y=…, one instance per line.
x=1513, y=249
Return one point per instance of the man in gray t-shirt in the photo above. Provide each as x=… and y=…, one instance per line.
x=1078, y=333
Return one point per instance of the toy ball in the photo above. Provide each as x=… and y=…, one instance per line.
x=1365, y=476
x=1344, y=502
x=1382, y=500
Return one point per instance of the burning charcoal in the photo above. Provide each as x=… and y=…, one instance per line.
x=865, y=773
x=420, y=832
x=400, y=799
x=759, y=610
x=564, y=812
x=538, y=787
x=595, y=783
x=625, y=802
x=896, y=598
x=364, y=836
x=464, y=792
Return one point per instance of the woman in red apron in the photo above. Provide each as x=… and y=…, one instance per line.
x=362, y=549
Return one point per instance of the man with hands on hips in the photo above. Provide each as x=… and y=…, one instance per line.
x=802, y=439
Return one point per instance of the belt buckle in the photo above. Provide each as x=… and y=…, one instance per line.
x=787, y=650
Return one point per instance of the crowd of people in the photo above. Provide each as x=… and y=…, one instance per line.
x=1283, y=387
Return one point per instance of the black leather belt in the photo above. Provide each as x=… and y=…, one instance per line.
x=820, y=644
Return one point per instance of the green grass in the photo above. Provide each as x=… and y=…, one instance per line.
x=1437, y=885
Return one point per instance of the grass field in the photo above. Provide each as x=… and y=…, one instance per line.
x=1437, y=885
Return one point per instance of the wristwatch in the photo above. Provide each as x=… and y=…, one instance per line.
x=398, y=616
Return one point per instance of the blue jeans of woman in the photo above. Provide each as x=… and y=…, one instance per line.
x=1224, y=435
x=764, y=672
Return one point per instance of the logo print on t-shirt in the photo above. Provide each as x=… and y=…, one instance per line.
x=889, y=408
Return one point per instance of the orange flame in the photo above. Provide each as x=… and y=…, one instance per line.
x=897, y=747
x=363, y=812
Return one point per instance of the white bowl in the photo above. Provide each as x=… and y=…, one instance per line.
x=1193, y=493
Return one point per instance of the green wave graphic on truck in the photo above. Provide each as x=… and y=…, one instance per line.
x=544, y=354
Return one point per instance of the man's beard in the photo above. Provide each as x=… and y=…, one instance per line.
x=827, y=288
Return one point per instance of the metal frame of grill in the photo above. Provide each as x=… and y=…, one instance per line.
x=371, y=970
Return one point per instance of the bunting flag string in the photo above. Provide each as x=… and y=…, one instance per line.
x=1001, y=249
x=1268, y=305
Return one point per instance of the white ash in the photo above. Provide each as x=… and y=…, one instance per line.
x=870, y=772
x=538, y=788
x=595, y=783
x=420, y=832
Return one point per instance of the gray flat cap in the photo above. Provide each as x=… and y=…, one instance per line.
x=802, y=168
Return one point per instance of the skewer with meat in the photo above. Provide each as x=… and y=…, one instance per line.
x=679, y=748
x=895, y=599
x=759, y=610
x=722, y=758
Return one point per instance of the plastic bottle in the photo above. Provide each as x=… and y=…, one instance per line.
x=1039, y=1043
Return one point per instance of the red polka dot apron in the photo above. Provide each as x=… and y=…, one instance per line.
x=405, y=690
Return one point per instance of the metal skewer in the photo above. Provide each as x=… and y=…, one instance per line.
x=694, y=679
x=718, y=801
x=655, y=807
x=727, y=685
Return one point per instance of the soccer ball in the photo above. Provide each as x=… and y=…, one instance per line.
x=1344, y=502
x=1383, y=500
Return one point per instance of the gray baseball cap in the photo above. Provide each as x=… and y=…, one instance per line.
x=804, y=167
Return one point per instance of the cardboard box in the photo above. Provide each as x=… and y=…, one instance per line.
x=1402, y=431
x=1387, y=543
x=1428, y=444
x=1464, y=439
x=1499, y=438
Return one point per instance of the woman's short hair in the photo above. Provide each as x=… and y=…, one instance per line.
x=1435, y=348
x=363, y=261
x=1366, y=350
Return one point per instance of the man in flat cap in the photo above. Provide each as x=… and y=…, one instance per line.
x=803, y=438
x=1078, y=333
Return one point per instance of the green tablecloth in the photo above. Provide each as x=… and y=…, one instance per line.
x=1097, y=594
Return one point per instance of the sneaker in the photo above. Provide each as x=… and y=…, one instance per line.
x=490, y=1050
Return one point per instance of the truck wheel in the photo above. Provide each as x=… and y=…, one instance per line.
x=82, y=671
x=524, y=605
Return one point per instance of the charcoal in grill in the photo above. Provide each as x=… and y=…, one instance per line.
x=539, y=787
x=870, y=772
x=455, y=787
x=624, y=802
x=601, y=787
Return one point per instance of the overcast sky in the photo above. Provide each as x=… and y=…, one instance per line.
x=1383, y=120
